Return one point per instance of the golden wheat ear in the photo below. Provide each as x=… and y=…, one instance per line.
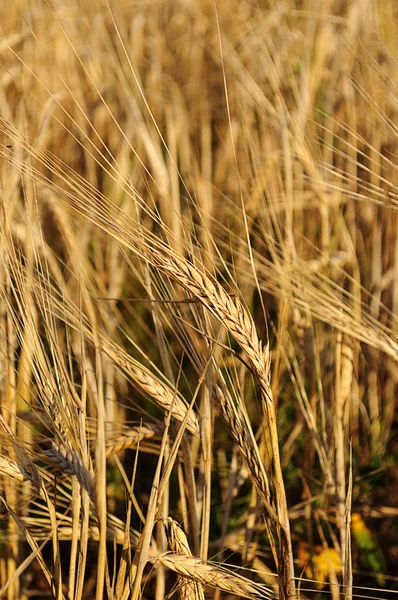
x=12, y=469
x=66, y=460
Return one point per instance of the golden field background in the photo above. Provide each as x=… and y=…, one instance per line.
x=199, y=298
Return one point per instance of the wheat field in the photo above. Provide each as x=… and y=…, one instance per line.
x=199, y=299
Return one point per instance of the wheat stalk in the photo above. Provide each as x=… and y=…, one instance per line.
x=243, y=437
x=178, y=542
x=234, y=316
x=167, y=398
x=13, y=469
x=216, y=576
x=130, y=438
x=68, y=461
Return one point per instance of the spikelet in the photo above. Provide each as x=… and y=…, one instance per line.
x=213, y=575
x=130, y=439
x=67, y=460
x=178, y=541
x=13, y=469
